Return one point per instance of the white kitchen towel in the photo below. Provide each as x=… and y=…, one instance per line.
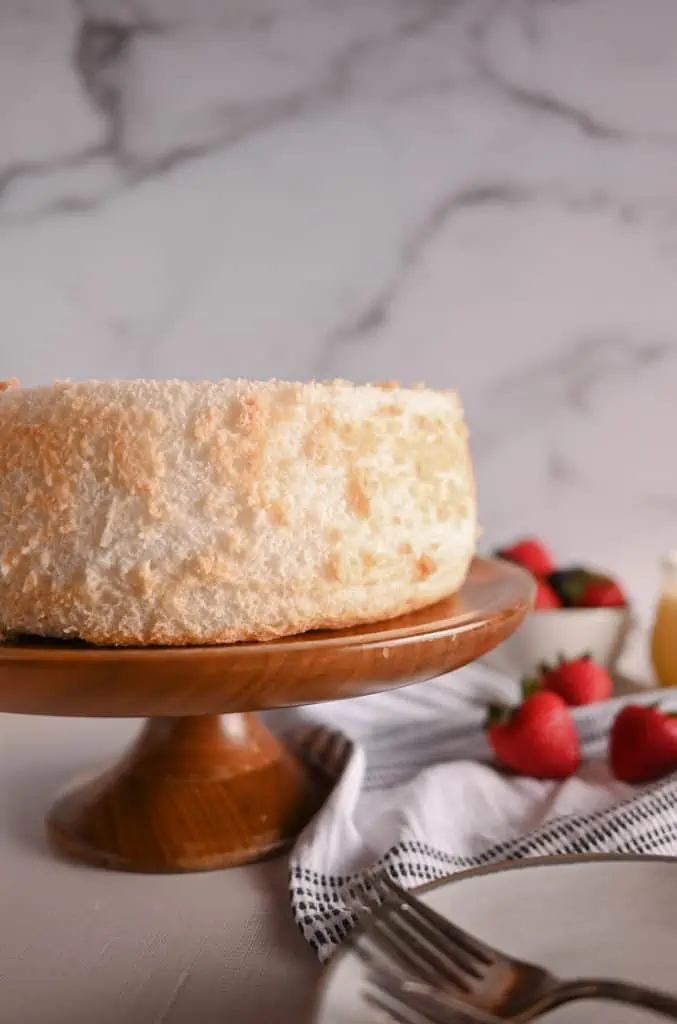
x=417, y=794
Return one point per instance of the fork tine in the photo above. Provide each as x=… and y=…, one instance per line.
x=388, y=926
x=391, y=948
x=467, y=942
x=395, y=1011
x=426, y=1001
x=414, y=927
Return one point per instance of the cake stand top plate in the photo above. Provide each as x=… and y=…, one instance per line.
x=49, y=677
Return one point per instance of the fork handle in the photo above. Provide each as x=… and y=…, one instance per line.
x=601, y=988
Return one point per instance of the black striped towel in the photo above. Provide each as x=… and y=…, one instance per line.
x=416, y=794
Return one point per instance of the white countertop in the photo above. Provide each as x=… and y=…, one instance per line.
x=82, y=946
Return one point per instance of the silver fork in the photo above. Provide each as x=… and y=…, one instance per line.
x=405, y=1001
x=397, y=932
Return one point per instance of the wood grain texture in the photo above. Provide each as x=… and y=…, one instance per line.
x=197, y=791
x=192, y=794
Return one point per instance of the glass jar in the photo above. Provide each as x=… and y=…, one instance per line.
x=664, y=635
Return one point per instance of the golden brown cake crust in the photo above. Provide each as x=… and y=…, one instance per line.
x=174, y=512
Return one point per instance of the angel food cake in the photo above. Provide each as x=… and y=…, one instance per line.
x=174, y=512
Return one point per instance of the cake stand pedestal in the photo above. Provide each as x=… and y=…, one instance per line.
x=206, y=785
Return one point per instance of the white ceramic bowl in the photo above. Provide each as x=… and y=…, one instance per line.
x=571, y=632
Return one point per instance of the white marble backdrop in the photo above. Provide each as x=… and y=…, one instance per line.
x=476, y=193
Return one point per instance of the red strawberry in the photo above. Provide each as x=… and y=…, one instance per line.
x=578, y=588
x=546, y=598
x=537, y=738
x=531, y=554
x=579, y=681
x=602, y=592
x=642, y=744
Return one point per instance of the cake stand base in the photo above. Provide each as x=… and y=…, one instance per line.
x=199, y=791
x=191, y=794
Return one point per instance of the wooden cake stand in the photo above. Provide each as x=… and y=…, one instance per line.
x=198, y=790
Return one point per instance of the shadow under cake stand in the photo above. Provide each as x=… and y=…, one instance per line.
x=206, y=785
